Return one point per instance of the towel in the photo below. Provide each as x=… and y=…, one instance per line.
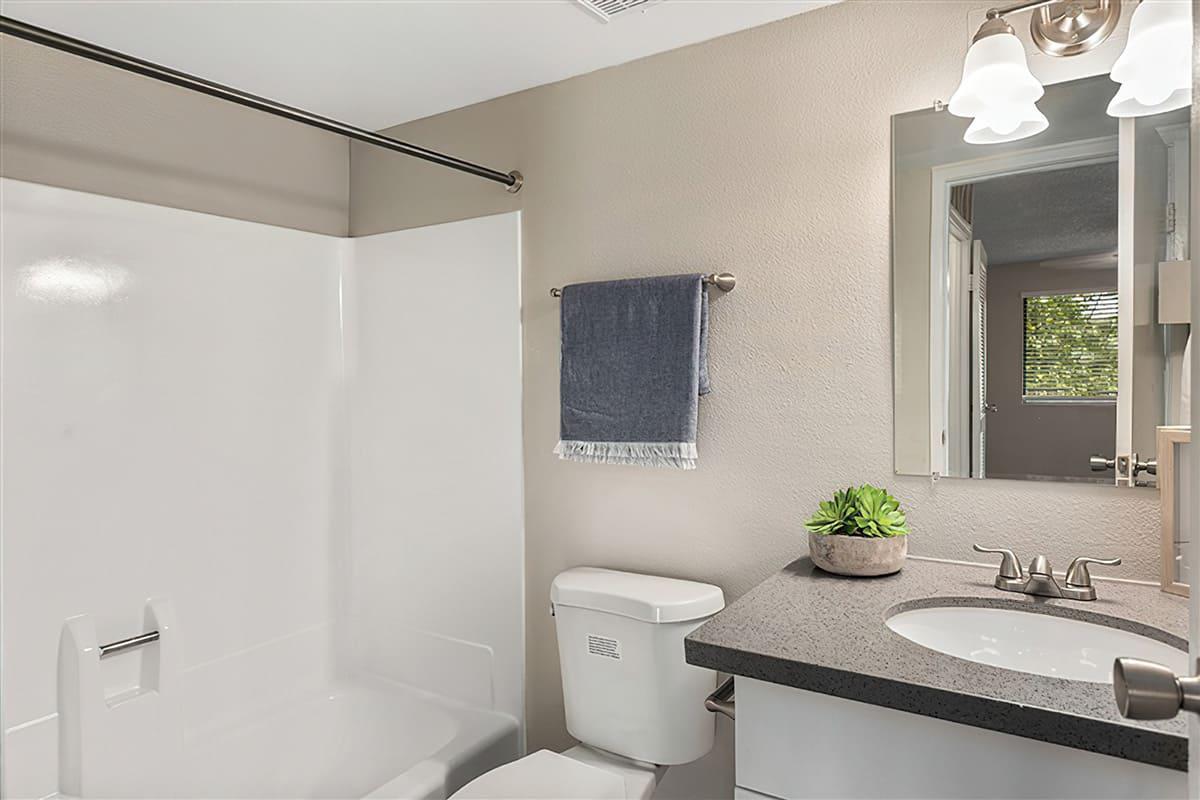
x=634, y=363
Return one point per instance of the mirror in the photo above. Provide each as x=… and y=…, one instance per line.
x=1159, y=281
x=1040, y=306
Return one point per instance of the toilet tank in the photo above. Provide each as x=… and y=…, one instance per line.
x=626, y=686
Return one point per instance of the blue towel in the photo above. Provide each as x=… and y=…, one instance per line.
x=634, y=363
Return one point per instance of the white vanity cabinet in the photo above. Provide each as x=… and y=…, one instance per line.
x=795, y=744
x=844, y=704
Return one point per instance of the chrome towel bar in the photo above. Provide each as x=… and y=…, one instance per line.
x=132, y=643
x=722, y=701
x=725, y=281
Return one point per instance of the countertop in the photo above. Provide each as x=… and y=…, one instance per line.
x=811, y=630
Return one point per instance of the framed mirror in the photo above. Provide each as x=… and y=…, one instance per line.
x=1040, y=311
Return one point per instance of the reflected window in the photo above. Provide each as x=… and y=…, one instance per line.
x=1070, y=347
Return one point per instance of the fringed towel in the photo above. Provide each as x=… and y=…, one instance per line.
x=634, y=363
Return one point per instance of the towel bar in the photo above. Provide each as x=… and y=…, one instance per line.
x=725, y=281
x=722, y=700
x=132, y=643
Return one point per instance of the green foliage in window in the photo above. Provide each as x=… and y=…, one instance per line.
x=1071, y=346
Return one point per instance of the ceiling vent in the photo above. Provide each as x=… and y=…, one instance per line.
x=607, y=9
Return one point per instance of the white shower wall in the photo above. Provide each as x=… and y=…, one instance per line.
x=176, y=424
x=166, y=433
x=434, y=363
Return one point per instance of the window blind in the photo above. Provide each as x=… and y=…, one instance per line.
x=1070, y=347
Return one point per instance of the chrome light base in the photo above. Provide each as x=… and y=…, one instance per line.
x=993, y=25
x=1073, y=27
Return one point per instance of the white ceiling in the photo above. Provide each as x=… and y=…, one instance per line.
x=376, y=64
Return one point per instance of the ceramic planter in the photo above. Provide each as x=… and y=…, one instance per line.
x=857, y=555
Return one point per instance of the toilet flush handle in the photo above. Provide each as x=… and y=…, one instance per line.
x=722, y=701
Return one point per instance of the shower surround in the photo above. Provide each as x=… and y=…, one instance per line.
x=259, y=426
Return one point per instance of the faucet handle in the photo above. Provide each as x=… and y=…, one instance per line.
x=1010, y=565
x=1077, y=573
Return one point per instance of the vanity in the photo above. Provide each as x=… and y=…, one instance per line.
x=1040, y=270
x=1035, y=340
x=834, y=698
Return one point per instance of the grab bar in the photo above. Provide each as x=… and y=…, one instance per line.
x=132, y=643
x=722, y=701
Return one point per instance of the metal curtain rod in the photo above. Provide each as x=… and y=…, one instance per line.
x=57, y=41
x=725, y=281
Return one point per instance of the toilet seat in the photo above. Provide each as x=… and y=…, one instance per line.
x=544, y=775
x=579, y=774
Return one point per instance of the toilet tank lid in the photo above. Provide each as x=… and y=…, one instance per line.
x=648, y=598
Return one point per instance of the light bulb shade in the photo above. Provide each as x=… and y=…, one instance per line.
x=1006, y=124
x=1155, y=69
x=995, y=74
x=999, y=91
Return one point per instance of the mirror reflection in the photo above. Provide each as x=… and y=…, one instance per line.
x=1040, y=293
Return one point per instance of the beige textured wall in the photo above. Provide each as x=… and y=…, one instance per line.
x=765, y=153
x=73, y=123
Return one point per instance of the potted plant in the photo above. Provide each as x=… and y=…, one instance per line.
x=861, y=531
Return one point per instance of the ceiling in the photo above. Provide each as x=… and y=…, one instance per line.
x=1042, y=216
x=376, y=64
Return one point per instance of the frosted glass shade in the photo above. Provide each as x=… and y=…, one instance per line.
x=999, y=91
x=1155, y=69
x=1006, y=124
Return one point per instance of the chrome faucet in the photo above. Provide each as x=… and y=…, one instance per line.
x=1040, y=581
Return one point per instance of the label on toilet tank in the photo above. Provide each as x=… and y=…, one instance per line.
x=604, y=646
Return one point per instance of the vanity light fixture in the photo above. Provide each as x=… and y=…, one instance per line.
x=1155, y=69
x=997, y=88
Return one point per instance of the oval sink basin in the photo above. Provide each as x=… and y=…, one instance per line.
x=1038, y=643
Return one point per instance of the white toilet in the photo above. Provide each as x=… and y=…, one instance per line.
x=631, y=699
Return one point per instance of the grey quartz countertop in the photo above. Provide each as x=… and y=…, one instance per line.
x=808, y=629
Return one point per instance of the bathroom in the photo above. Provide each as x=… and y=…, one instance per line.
x=291, y=398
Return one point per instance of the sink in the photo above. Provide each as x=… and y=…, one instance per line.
x=1042, y=644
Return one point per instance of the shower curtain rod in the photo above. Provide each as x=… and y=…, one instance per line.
x=512, y=180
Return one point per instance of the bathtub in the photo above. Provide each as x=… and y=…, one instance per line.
x=352, y=740
x=343, y=739
x=272, y=722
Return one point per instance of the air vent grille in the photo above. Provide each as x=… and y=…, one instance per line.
x=607, y=9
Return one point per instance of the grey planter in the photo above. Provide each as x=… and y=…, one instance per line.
x=857, y=555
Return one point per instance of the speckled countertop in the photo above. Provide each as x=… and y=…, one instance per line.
x=811, y=630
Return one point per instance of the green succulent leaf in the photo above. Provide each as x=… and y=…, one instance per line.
x=863, y=511
x=835, y=516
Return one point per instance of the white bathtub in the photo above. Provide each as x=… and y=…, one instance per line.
x=352, y=740
x=267, y=723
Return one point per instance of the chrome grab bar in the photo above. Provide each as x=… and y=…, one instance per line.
x=722, y=701
x=132, y=643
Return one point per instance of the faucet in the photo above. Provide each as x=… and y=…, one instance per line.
x=1040, y=581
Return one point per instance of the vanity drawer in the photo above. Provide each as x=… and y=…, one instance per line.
x=795, y=744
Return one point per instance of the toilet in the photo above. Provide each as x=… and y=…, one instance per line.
x=633, y=702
